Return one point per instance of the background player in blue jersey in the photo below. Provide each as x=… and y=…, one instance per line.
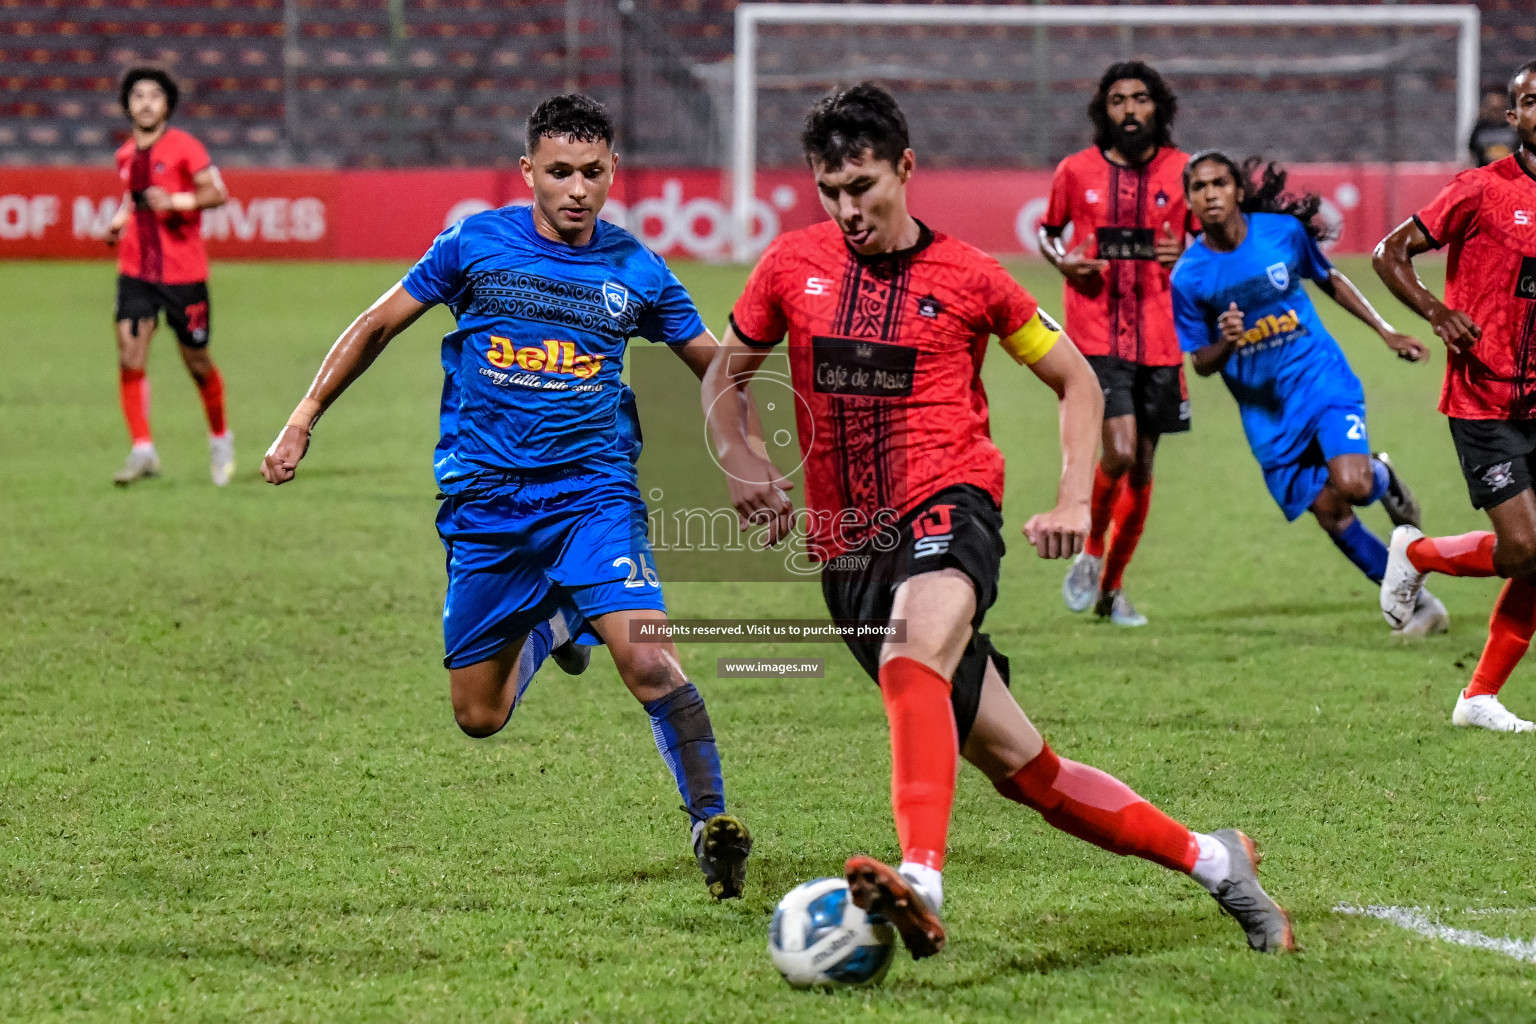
x=1240, y=309
x=542, y=518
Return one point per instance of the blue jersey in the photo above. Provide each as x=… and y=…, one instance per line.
x=532, y=370
x=1287, y=369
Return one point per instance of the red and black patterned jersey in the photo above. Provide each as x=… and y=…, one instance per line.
x=1487, y=215
x=165, y=247
x=1118, y=213
x=885, y=355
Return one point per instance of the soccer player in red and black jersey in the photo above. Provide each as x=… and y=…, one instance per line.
x=1123, y=197
x=168, y=180
x=1487, y=216
x=888, y=323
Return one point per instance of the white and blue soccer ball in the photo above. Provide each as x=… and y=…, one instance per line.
x=819, y=937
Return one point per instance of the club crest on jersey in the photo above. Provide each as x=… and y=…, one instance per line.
x=615, y=299
x=1279, y=276
x=1161, y=199
x=1499, y=476
x=1091, y=195
x=929, y=307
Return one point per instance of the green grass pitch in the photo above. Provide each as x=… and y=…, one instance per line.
x=231, y=787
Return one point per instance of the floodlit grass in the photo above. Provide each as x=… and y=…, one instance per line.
x=231, y=786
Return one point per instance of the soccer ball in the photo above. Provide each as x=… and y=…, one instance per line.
x=819, y=937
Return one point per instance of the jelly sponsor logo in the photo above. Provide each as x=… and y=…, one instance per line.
x=1271, y=326
x=549, y=357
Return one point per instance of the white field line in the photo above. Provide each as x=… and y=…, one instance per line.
x=1416, y=920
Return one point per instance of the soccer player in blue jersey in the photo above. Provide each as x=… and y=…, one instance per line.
x=542, y=518
x=1240, y=310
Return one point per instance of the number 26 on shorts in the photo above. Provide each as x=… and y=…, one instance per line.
x=636, y=572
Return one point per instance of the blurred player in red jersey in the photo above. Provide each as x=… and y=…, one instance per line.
x=888, y=323
x=162, y=264
x=1487, y=215
x=1123, y=197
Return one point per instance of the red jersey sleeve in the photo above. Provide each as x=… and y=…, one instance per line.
x=1058, y=211
x=1452, y=213
x=1009, y=304
x=758, y=316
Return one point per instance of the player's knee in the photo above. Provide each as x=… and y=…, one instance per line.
x=479, y=720
x=1515, y=557
x=1354, y=483
x=1118, y=458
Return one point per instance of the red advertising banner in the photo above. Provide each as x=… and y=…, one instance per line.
x=683, y=213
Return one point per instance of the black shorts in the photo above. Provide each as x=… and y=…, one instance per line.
x=185, y=305
x=1155, y=395
x=958, y=527
x=1495, y=457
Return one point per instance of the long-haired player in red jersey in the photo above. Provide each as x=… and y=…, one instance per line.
x=168, y=180
x=1123, y=198
x=1487, y=216
x=888, y=323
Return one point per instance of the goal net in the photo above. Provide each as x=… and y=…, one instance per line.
x=1006, y=86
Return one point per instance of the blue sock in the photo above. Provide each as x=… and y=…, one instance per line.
x=1364, y=548
x=536, y=648
x=687, y=743
x=1379, y=482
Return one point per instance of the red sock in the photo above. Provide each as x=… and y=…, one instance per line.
x=1509, y=634
x=1470, y=554
x=1101, y=508
x=1095, y=806
x=133, y=394
x=925, y=751
x=1130, y=517
x=211, y=389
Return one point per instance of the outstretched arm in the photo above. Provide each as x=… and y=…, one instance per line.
x=356, y=349
x=1393, y=262
x=1343, y=291
x=1060, y=532
x=756, y=485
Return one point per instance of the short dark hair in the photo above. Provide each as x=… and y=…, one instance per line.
x=1162, y=97
x=160, y=77
x=843, y=124
x=572, y=116
x=1263, y=186
x=1528, y=66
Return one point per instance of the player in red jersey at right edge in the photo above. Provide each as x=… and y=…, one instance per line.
x=168, y=180
x=1487, y=215
x=1123, y=197
x=888, y=323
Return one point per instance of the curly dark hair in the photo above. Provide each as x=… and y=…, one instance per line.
x=1263, y=189
x=160, y=77
x=844, y=123
x=1162, y=95
x=572, y=116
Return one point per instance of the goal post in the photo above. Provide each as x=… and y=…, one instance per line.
x=752, y=18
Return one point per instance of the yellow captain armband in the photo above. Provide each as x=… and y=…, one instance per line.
x=1030, y=343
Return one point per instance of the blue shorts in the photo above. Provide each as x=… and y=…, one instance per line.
x=538, y=542
x=1338, y=430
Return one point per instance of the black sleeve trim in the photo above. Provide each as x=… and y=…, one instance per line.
x=746, y=338
x=1434, y=243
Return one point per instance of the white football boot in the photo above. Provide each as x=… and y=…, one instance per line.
x=221, y=457
x=1401, y=583
x=1485, y=712
x=1429, y=618
x=1081, y=586
x=143, y=462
